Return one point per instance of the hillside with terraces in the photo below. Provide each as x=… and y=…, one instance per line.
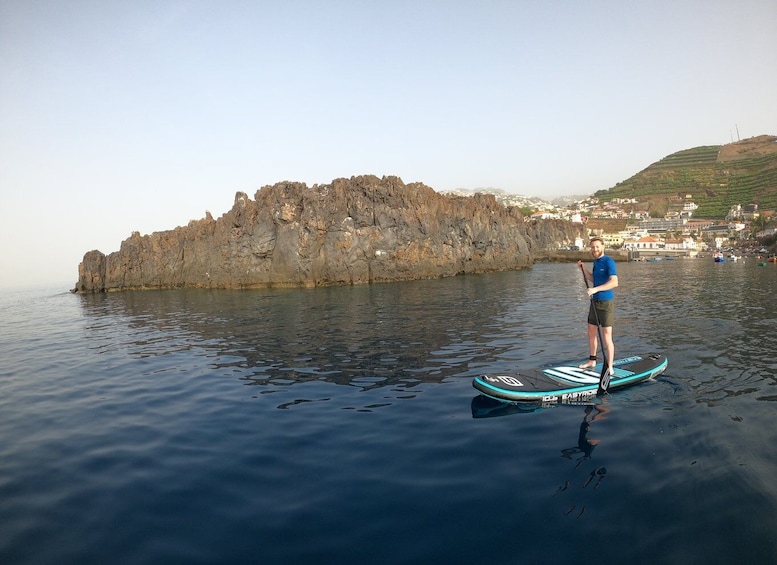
x=717, y=176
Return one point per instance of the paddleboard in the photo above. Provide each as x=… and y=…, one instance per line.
x=567, y=383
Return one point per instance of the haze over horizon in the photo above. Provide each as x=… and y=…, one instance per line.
x=139, y=116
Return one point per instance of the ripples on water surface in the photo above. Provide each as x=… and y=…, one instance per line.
x=336, y=424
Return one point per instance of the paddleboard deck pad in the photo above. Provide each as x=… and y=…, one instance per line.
x=567, y=383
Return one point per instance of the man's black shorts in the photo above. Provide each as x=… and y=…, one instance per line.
x=605, y=309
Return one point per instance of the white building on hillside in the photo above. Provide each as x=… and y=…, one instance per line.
x=683, y=243
x=644, y=243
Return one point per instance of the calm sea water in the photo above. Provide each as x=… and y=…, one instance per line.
x=339, y=425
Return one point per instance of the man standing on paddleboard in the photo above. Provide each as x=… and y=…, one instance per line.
x=604, y=277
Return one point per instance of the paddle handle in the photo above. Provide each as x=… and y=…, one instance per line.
x=585, y=277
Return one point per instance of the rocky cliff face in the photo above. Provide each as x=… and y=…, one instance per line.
x=549, y=235
x=358, y=230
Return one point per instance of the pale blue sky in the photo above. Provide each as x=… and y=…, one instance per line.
x=132, y=115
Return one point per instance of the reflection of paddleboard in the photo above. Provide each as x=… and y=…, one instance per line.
x=568, y=383
x=485, y=407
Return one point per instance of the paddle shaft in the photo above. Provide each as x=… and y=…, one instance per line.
x=603, y=383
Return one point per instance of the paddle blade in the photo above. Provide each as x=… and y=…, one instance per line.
x=604, y=380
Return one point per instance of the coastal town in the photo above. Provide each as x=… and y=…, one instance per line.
x=625, y=224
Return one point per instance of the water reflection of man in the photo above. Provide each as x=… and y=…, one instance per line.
x=584, y=444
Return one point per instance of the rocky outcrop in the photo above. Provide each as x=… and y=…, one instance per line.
x=358, y=230
x=549, y=235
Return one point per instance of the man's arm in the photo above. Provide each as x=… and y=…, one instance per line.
x=611, y=283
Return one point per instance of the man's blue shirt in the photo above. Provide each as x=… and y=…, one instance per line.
x=604, y=268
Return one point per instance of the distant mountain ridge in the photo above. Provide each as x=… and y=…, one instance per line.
x=717, y=177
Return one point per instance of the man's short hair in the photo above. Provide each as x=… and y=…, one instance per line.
x=597, y=238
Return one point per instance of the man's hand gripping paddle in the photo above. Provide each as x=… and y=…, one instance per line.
x=604, y=377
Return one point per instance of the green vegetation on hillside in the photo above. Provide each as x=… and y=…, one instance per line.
x=716, y=176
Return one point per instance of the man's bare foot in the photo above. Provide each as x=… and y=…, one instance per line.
x=587, y=365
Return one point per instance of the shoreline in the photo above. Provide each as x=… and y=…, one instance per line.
x=564, y=256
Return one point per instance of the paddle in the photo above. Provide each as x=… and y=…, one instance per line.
x=604, y=377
